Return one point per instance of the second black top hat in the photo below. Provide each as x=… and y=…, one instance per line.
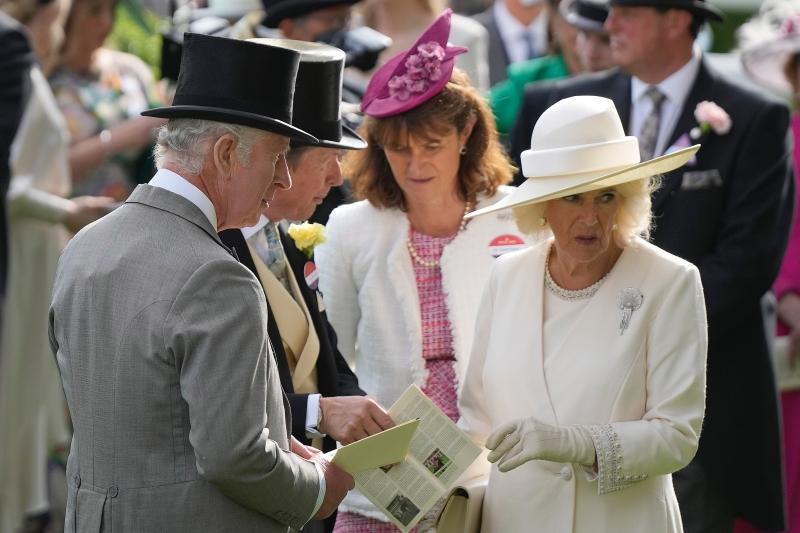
x=318, y=95
x=238, y=82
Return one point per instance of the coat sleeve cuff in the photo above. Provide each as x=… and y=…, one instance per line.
x=610, y=476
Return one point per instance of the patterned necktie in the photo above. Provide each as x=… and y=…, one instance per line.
x=272, y=254
x=648, y=135
x=530, y=45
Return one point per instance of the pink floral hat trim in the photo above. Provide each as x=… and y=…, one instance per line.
x=413, y=77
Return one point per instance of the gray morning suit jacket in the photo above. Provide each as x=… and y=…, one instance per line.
x=160, y=338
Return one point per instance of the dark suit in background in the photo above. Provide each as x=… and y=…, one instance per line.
x=16, y=59
x=729, y=213
x=498, y=57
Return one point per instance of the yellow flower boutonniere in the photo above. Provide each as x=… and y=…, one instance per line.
x=307, y=236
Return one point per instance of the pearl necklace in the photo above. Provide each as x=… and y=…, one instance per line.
x=430, y=263
x=568, y=294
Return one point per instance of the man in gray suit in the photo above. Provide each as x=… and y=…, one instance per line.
x=160, y=334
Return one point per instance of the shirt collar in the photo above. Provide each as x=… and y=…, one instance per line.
x=252, y=230
x=676, y=86
x=511, y=28
x=172, y=182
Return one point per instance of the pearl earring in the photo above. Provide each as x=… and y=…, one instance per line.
x=542, y=221
x=463, y=150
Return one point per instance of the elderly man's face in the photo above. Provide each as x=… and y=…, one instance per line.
x=252, y=186
x=594, y=50
x=309, y=27
x=313, y=175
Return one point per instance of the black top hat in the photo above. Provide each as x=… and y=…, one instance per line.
x=238, y=82
x=697, y=7
x=318, y=95
x=277, y=10
x=587, y=15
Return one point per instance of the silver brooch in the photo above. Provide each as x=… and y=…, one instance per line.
x=630, y=299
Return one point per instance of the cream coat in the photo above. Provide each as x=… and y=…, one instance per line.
x=641, y=393
x=367, y=279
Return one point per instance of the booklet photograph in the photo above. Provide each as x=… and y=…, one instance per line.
x=439, y=453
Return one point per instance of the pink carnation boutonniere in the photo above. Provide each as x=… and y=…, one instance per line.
x=710, y=117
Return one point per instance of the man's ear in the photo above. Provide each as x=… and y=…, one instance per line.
x=224, y=154
x=678, y=22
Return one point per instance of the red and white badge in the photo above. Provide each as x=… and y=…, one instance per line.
x=311, y=274
x=504, y=244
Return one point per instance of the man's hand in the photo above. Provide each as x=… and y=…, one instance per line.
x=298, y=448
x=350, y=418
x=337, y=484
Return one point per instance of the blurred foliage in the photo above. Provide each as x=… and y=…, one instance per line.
x=725, y=31
x=137, y=30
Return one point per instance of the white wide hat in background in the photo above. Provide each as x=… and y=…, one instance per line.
x=579, y=145
x=767, y=42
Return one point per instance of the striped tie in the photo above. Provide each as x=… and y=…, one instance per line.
x=648, y=136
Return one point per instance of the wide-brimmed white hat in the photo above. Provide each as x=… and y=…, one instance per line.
x=768, y=41
x=579, y=145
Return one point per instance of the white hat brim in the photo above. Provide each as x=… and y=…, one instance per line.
x=765, y=63
x=542, y=189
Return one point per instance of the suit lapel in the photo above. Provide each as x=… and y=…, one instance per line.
x=702, y=86
x=620, y=93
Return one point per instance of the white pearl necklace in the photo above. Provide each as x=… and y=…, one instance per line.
x=430, y=263
x=569, y=294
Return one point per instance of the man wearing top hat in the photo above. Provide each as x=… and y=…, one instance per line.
x=729, y=213
x=327, y=403
x=160, y=334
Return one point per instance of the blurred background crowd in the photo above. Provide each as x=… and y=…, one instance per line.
x=76, y=74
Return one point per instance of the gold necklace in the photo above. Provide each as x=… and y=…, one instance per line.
x=430, y=263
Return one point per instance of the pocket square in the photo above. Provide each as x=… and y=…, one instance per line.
x=701, y=179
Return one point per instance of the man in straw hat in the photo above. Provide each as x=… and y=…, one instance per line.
x=323, y=391
x=161, y=334
x=728, y=212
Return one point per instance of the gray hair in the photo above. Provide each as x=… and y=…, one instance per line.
x=186, y=140
x=634, y=217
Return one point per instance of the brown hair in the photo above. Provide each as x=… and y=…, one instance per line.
x=484, y=166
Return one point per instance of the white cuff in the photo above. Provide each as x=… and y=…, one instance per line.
x=321, y=495
x=312, y=415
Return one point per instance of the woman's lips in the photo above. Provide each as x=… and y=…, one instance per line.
x=586, y=239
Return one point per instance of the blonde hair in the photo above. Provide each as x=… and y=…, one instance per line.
x=634, y=217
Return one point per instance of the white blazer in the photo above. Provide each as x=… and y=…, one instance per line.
x=367, y=279
x=641, y=393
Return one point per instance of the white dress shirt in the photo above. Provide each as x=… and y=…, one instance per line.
x=172, y=182
x=675, y=88
x=513, y=33
x=168, y=180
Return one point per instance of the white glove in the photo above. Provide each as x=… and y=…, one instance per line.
x=524, y=440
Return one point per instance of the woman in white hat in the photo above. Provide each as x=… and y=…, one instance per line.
x=770, y=46
x=587, y=376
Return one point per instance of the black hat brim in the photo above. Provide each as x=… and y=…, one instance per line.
x=350, y=141
x=286, y=10
x=697, y=7
x=232, y=116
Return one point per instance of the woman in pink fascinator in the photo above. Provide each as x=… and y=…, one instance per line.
x=402, y=271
